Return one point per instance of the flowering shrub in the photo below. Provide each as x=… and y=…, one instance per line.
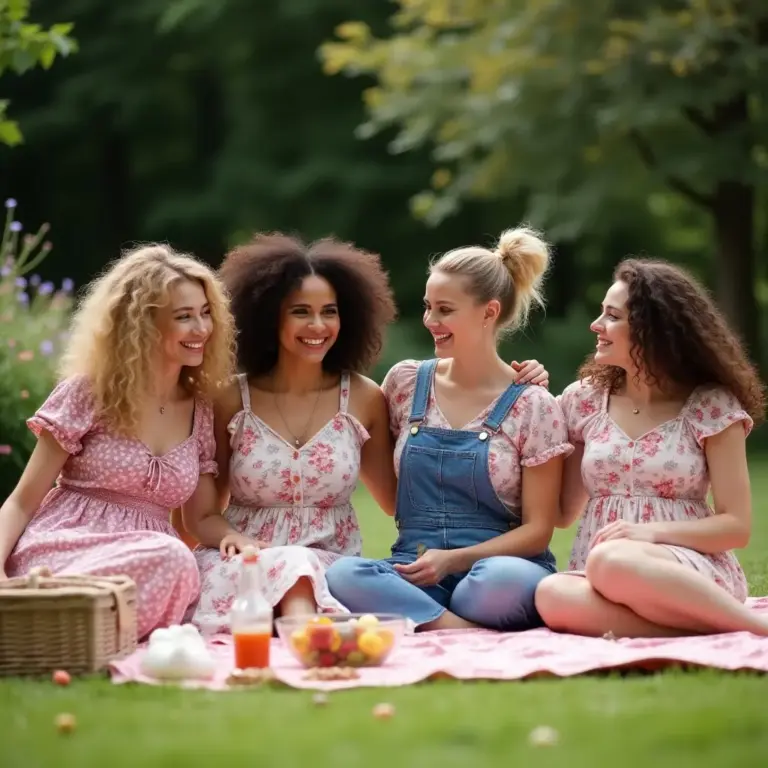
x=34, y=315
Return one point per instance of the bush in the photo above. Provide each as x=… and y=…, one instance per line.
x=34, y=316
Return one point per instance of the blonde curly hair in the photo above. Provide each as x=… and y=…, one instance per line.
x=114, y=334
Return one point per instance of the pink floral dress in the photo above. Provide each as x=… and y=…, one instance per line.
x=661, y=476
x=109, y=513
x=533, y=433
x=297, y=499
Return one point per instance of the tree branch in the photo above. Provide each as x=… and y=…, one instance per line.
x=648, y=156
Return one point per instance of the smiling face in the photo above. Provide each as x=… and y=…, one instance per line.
x=612, y=329
x=309, y=320
x=185, y=324
x=453, y=316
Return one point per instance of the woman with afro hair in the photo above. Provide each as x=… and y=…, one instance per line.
x=298, y=425
x=659, y=417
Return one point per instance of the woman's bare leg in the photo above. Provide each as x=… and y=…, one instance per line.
x=570, y=604
x=652, y=583
x=299, y=600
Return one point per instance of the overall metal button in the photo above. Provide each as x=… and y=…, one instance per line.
x=414, y=430
x=483, y=436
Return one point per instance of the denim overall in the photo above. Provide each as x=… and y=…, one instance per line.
x=445, y=500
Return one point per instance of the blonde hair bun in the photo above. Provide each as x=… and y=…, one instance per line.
x=526, y=256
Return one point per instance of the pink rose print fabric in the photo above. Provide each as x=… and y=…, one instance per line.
x=533, y=432
x=661, y=476
x=109, y=513
x=297, y=499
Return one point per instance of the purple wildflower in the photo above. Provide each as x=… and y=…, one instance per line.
x=10, y=203
x=45, y=288
x=21, y=282
x=16, y=226
x=67, y=285
x=46, y=347
x=5, y=450
x=23, y=297
x=35, y=280
x=5, y=271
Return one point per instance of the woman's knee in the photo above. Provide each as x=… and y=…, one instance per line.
x=614, y=566
x=502, y=574
x=344, y=574
x=181, y=561
x=499, y=593
x=556, y=597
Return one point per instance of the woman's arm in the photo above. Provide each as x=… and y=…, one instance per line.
x=202, y=513
x=377, y=469
x=573, y=496
x=730, y=526
x=42, y=469
x=541, y=509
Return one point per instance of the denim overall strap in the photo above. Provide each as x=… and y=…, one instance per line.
x=424, y=376
x=504, y=405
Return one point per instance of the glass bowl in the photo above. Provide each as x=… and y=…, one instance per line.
x=341, y=640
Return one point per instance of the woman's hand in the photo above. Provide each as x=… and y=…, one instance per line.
x=429, y=569
x=233, y=543
x=531, y=372
x=621, y=529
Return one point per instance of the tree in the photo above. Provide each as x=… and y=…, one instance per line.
x=22, y=46
x=575, y=107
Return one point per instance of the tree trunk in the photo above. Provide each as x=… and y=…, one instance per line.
x=733, y=210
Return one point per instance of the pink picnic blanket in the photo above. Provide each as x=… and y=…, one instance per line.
x=477, y=654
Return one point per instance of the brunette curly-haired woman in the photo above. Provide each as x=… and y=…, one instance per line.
x=127, y=433
x=660, y=415
x=299, y=423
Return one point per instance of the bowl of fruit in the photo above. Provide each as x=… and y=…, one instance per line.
x=341, y=640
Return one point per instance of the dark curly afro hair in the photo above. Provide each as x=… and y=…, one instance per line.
x=677, y=334
x=260, y=274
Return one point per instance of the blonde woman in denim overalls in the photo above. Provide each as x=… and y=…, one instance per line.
x=479, y=456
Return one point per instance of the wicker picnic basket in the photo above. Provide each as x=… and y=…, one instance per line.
x=75, y=623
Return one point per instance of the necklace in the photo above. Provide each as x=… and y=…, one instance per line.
x=298, y=440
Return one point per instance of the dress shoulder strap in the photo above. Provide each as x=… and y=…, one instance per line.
x=245, y=392
x=344, y=392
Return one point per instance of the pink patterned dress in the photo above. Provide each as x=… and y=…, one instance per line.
x=533, y=433
x=109, y=513
x=297, y=499
x=661, y=476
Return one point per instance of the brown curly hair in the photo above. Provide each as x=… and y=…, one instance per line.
x=677, y=334
x=260, y=274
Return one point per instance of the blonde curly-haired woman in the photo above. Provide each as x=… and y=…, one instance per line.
x=127, y=434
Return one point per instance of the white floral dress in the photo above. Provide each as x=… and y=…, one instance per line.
x=660, y=476
x=297, y=499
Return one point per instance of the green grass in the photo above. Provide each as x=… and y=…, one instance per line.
x=675, y=719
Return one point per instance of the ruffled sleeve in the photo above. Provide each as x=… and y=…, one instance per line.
x=67, y=414
x=581, y=404
x=206, y=438
x=542, y=434
x=399, y=386
x=713, y=410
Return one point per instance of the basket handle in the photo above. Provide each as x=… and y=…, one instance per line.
x=41, y=576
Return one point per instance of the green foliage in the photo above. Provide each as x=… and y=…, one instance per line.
x=24, y=45
x=33, y=318
x=567, y=105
